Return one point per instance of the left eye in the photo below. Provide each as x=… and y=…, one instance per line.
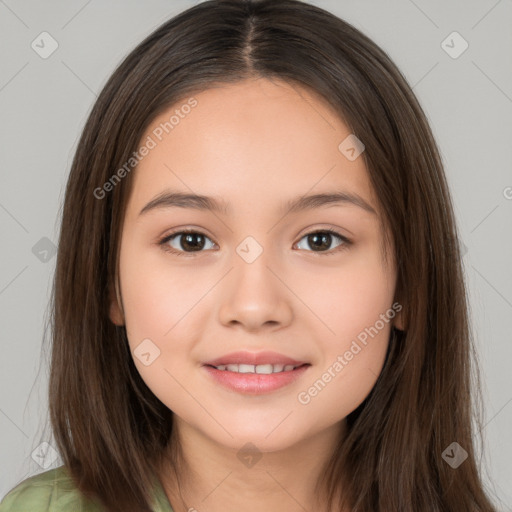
x=323, y=239
x=193, y=241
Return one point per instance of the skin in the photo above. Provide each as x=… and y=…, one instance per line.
x=255, y=144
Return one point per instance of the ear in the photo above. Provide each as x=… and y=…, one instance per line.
x=115, y=313
x=398, y=321
x=399, y=309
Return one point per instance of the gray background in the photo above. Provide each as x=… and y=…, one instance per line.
x=44, y=104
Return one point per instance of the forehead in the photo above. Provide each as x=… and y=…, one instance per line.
x=251, y=142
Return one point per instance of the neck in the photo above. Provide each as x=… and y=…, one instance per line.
x=210, y=477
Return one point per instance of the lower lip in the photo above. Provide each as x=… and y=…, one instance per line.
x=255, y=383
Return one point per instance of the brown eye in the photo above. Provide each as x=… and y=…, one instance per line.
x=185, y=242
x=320, y=241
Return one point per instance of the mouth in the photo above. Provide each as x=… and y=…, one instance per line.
x=246, y=360
x=260, y=369
x=255, y=373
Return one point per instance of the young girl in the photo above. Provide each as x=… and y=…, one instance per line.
x=258, y=301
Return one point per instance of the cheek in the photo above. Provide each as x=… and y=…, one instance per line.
x=162, y=304
x=156, y=305
x=354, y=305
x=159, y=299
x=348, y=297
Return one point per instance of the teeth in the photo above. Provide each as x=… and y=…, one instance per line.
x=245, y=368
x=259, y=368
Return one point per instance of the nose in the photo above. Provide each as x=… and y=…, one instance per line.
x=255, y=296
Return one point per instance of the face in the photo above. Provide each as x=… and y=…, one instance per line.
x=255, y=275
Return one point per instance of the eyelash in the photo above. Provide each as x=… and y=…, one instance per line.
x=163, y=242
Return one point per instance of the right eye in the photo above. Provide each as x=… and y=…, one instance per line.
x=193, y=240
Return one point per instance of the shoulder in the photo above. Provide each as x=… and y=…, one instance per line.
x=51, y=491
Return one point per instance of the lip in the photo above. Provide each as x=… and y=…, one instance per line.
x=255, y=383
x=255, y=358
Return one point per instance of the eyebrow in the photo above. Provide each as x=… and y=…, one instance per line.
x=171, y=198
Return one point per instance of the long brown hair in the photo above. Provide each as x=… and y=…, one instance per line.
x=109, y=427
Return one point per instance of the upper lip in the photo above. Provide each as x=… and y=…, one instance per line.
x=254, y=358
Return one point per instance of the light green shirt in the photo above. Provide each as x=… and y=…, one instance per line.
x=55, y=491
